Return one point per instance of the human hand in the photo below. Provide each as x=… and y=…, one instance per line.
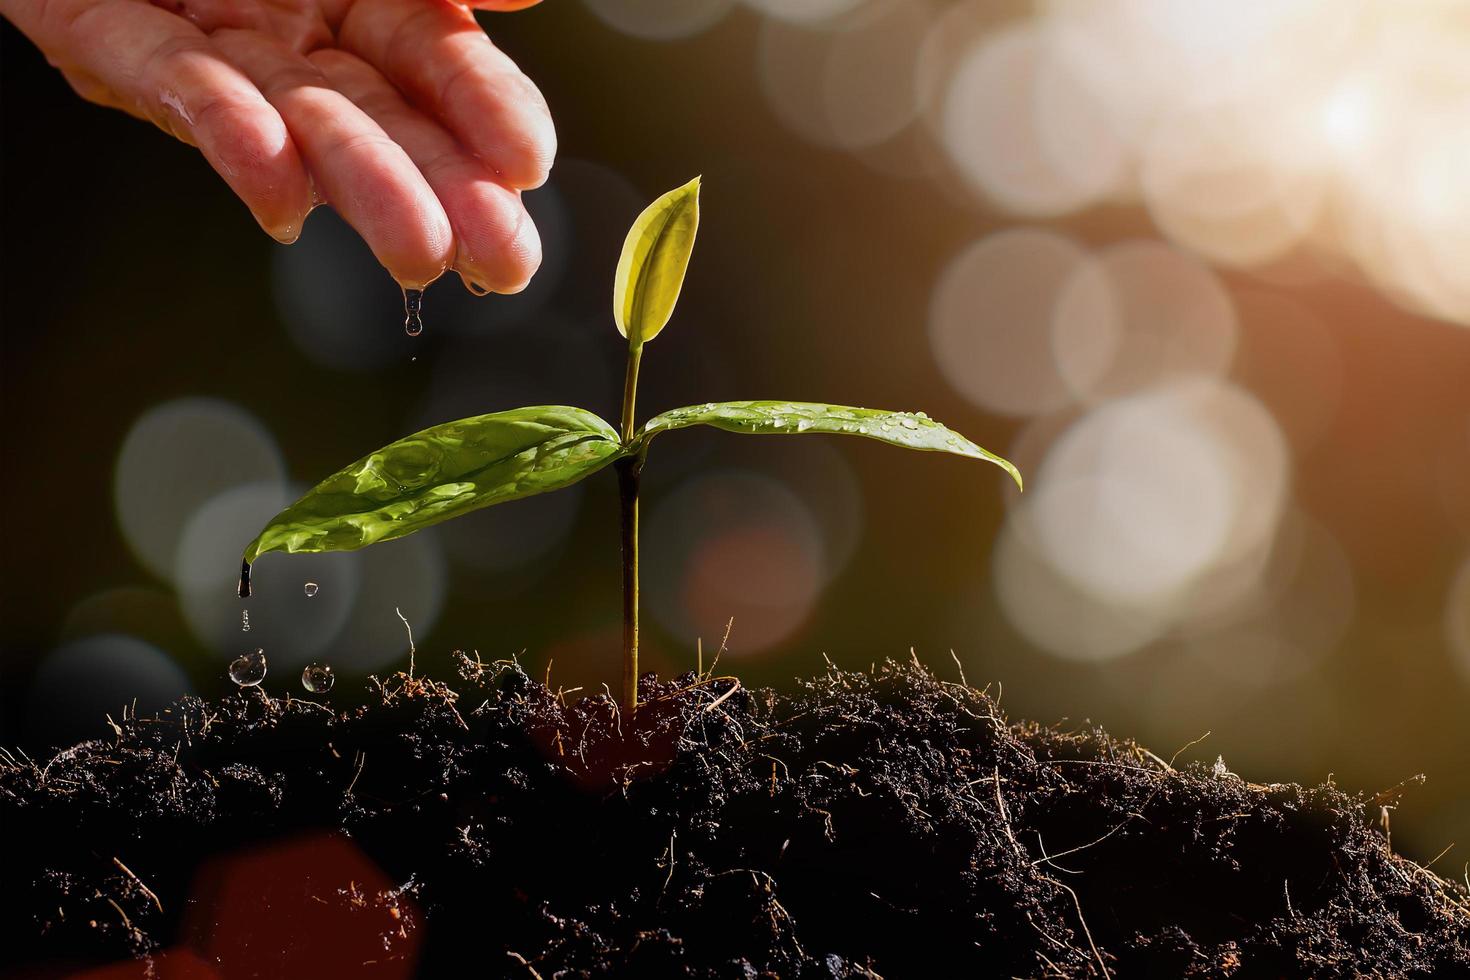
x=399, y=113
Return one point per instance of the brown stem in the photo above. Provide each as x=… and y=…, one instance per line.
x=628, y=474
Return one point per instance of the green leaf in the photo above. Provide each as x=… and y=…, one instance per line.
x=443, y=472
x=907, y=429
x=651, y=268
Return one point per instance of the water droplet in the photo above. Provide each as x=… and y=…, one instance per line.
x=886, y=427
x=318, y=678
x=921, y=415
x=310, y=589
x=413, y=310
x=248, y=670
x=908, y=423
x=803, y=424
x=244, y=589
x=244, y=620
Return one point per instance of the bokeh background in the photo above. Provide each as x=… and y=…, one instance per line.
x=1202, y=269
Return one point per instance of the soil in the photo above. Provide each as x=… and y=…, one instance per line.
x=871, y=824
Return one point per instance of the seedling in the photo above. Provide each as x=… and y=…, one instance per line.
x=451, y=469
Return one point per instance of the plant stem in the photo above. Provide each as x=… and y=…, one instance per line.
x=629, y=470
x=630, y=391
x=628, y=473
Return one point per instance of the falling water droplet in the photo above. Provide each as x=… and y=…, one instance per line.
x=310, y=589
x=318, y=678
x=244, y=620
x=248, y=670
x=244, y=590
x=413, y=312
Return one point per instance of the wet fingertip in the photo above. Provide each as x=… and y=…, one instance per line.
x=475, y=287
x=416, y=282
x=285, y=232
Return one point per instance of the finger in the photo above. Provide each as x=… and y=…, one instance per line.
x=501, y=5
x=496, y=245
x=438, y=56
x=365, y=175
x=162, y=68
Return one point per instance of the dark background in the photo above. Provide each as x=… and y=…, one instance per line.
x=134, y=279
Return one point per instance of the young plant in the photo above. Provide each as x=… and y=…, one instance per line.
x=451, y=469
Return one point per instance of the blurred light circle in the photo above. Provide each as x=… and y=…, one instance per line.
x=821, y=477
x=791, y=64
x=1303, y=609
x=1137, y=539
x=178, y=455
x=1145, y=494
x=733, y=544
x=1139, y=313
x=1025, y=132
x=1078, y=129
x=1213, y=186
x=1457, y=618
x=150, y=614
x=660, y=20
x=292, y=628
x=77, y=685
x=952, y=33
x=990, y=320
x=1054, y=614
x=1252, y=448
x=804, y=11
x=868, y=88
x=408, y=574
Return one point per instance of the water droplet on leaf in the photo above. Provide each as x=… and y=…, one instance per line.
x=248, y=670
x=318, y=678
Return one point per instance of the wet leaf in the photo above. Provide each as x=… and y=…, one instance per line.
x=443, y=472
x=907, y=429
x=655, y=257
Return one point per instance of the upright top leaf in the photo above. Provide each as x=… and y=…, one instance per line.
x=651, y=269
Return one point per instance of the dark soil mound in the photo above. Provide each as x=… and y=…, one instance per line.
x=884, y=824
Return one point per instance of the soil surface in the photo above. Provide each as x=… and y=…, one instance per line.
x=873, y=824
